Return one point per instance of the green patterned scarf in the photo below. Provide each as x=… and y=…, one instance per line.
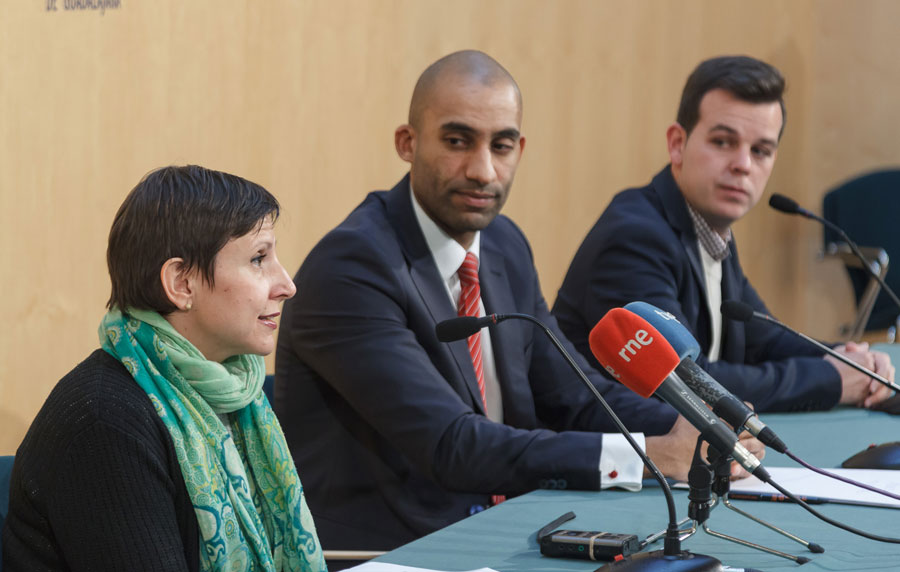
x=243, y=483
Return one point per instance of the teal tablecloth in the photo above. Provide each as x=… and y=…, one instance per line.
x=503, y=537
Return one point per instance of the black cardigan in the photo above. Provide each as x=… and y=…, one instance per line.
x=96, y=484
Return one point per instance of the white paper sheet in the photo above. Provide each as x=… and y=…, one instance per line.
x=805, y=483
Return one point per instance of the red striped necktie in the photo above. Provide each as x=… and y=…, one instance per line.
x=469, y=298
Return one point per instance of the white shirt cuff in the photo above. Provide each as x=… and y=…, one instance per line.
x=620, y=466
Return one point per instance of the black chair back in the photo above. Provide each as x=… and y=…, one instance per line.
x=867, y=208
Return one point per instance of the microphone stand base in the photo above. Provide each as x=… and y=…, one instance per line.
x=658, y=561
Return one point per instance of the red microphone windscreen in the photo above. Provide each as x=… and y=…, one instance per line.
x=632, y=351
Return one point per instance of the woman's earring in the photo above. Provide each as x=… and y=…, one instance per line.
x=188, y=306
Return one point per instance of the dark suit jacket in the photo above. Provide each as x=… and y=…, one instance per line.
x=386, y=424
x=644, y=247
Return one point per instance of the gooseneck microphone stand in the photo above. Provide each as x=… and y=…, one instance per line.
x=672, y=557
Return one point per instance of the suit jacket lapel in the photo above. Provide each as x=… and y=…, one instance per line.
x=427, y=280
x=508, y=339
x=675, y=211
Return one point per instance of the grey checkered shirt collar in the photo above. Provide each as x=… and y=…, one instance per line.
x=712, y=241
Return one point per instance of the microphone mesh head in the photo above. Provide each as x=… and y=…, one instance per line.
x=784, y=204
x=681, y=340
x=737, y=310
x=632, y=351
x=457, y=328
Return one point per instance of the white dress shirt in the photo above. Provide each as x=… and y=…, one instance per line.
x=712, y=269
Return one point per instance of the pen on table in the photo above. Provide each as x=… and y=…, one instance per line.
x=773, y=497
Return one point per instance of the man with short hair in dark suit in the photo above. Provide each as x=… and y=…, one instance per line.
x=670, y=244
x=398, y=434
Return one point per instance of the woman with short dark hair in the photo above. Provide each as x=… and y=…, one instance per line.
x=160, y=451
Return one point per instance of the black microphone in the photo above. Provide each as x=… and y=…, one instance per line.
x=790, y=206
x=459, y=328
x=737, y=310
x=464, y=326
x=726, y=405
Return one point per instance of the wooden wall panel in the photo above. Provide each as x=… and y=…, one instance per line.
x=854, y=88
x=303, y=96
